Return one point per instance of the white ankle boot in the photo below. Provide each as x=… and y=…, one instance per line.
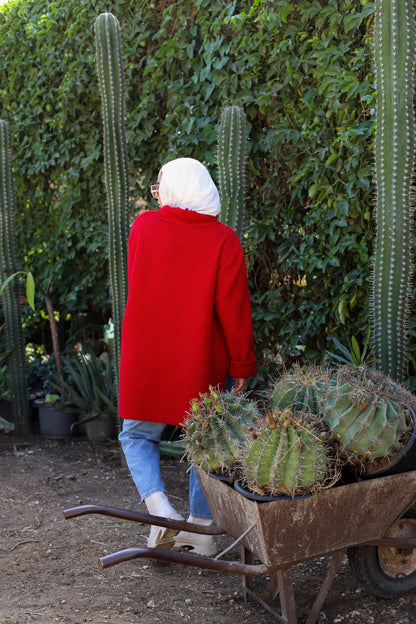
x=161, y=537
x=197, y=543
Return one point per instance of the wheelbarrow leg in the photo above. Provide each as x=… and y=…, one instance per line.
x=286, y=595
x=326, y=586
x=284, y=584
x=246, y=558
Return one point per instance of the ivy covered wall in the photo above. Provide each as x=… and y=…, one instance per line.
x=302, y=72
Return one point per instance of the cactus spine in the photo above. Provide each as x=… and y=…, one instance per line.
x=232, y=157
x=111, y=83
x=394, y=55
x=12, y=296
x=286, y=455
x=214, y=430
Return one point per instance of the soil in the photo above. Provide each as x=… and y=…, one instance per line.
x=49, y=567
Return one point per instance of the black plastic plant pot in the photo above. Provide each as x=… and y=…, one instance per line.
x=260, y=498
x=404, y=461
x=225, y=478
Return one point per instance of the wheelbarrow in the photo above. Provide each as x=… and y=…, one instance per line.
x=371, y=521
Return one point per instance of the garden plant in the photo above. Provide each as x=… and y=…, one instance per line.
x=394, y=53
x=16, y=362
x=111, y=81
x=303, y=76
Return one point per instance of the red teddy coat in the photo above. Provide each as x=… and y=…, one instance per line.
x=188, y=318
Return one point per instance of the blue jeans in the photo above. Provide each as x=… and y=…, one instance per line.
x=140, y=443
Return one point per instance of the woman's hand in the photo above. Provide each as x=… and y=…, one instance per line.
x=240, y=384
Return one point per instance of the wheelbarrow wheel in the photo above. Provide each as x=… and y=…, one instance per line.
x=388, y=572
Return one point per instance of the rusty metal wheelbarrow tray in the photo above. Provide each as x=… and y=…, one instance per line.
x=284, y=533
x=289, y=531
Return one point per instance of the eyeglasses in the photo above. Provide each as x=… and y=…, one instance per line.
x=154, y=189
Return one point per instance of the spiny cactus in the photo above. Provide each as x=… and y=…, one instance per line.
x=394, y=55
x=232, y=157
x=366, y=414
x=286, y=455
x=12, y=296
x=301, y=388
x=111, y=83
x=214, y=429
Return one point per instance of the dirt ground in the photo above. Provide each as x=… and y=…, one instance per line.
x=49, y=568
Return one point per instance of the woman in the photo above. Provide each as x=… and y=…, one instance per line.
x=187, y=325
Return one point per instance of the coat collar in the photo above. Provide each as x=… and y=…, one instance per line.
x=185, y=216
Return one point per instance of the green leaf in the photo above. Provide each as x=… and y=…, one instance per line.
x=30, y=290
x=356, y=350
x=8, y=280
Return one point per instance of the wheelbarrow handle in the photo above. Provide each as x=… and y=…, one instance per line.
x=143, y=518
x=208, y=563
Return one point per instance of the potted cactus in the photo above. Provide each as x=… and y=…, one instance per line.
x=301, y=388
x=289, y=454
x=214, y=430
x=373, y=419
x=283, y=454
x=370, y=416
x=321, y=423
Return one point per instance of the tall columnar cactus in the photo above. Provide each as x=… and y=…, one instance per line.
x=111, y=83
x=214, y=429
x=394, y=55
x=12, y=297
x=287, y=454
x=232, y=157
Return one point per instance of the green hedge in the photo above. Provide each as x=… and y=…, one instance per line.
x=302, y=72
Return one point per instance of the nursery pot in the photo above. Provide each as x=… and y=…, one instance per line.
x=54, y=423
x=6, y=416
x=100, y=428
x=6, y=410
x=262, y=498
x=225, y=478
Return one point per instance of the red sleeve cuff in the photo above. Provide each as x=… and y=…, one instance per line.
x=242, y=369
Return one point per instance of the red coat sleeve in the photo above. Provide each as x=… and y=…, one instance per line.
x=232, y=305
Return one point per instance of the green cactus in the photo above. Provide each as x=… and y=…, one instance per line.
x=214, y=429
x=367, y=413
x=232, y=157
x=111, y=83
x=301, y=388
x=394, y=55
x=286, y=455
x=12, y=295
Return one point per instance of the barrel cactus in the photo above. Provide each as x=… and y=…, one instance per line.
x=288, y=454
x=367, y=413
x=213, y=431
x=301, y=388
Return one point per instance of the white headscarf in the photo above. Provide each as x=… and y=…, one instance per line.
x=185, y=183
